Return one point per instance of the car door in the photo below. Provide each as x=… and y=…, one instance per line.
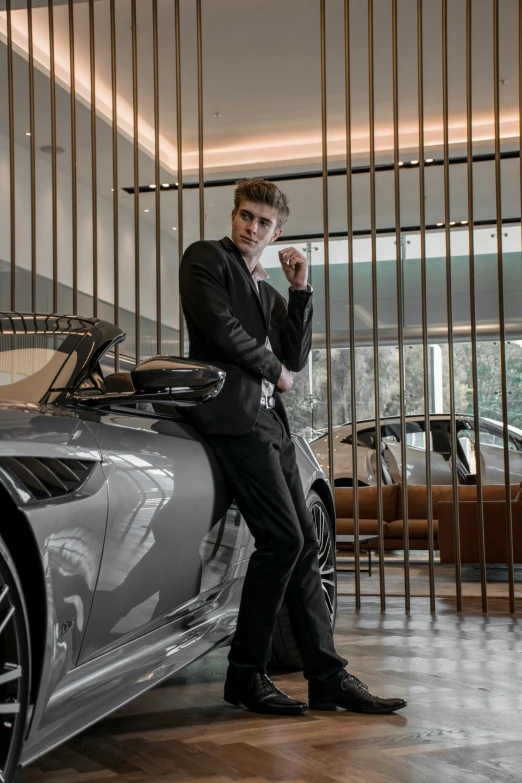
x=166, y=495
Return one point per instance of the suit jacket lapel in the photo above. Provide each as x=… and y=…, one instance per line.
x=237, y=255
x=264, y=296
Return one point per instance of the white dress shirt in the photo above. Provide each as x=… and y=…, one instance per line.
x=258, y=273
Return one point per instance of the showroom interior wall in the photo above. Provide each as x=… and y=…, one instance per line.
x=415, y=255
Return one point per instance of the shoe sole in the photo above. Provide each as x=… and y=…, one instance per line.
x=283, y=711
x=333, y=707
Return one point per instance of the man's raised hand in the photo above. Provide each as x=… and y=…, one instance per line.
x=295, y=267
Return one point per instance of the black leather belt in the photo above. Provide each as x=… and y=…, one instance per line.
x=268, y=402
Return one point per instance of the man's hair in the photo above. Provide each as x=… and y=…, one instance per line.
x=261, y=191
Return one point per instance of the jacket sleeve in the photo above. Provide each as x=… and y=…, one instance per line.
x=295, y=324
x=205, y=298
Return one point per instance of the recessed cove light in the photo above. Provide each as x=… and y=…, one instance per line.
x=165, y=185
x=152, y=186
x=463, y=222
x=429, y=160
x=414, y=162
x=440, y=224
x=452, y=222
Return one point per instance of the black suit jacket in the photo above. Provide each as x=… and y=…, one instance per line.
x=228, y=322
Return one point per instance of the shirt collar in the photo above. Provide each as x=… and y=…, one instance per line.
x=258, y=272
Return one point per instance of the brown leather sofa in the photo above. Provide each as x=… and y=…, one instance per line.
x=417, y=513
x=495, y=531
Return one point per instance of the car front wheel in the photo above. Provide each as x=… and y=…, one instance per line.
x=14, y=667
x=285, y=654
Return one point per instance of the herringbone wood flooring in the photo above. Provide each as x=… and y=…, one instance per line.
x=462, y=676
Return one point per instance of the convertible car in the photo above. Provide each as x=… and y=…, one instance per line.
x=121, y=556
x=389, y=458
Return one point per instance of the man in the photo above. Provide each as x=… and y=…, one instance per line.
x=238, y=322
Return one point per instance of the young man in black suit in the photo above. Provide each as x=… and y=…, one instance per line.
x=237, y=321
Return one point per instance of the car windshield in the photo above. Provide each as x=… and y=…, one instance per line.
x=29, y=363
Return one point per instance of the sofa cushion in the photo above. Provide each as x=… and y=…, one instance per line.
x=368, y=527
x=417, y=528
x=417, y=500
x=367, y=497
x=417, y=497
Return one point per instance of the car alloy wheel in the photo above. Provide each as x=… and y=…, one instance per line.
x=326, y=554
x=14, y=667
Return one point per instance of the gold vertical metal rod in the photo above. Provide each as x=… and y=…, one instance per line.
x=137, y=301
x=33, y=152
x=375, y=312
x=449, y=303
x=324, y=145
x=53, y=156
x=179, y=140
x=157, y=171
x=400, y=307
x=200, y=122
x=501, y=311
x=74, y=177
x=473, y=317
x=424, y=301
x=94, y=172
x=115, y=214
x=12, y=154
x=351, y=303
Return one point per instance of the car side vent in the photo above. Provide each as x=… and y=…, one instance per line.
x=46, y=477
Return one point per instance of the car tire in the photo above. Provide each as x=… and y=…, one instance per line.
x=284, y=653
x=15, y=674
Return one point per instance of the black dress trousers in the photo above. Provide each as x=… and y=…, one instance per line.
x=261, y=471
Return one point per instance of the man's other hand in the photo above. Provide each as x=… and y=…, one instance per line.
x=286, y=380
x=295, y=267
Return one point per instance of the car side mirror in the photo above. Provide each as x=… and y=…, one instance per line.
x=162, y=379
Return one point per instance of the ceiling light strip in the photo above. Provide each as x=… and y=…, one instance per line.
x=341, y=172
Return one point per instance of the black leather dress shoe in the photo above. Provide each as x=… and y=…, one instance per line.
x=259, y=694
x=349, y=693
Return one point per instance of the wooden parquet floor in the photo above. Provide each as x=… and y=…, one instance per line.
x=461, y=674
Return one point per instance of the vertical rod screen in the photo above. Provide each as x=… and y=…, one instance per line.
x=400, y=308
x=115, y=215
x=33, y=152
x=351, y=303
x=501, y=309
x=375, y=312
x=74, y=181
x=449, y=298
x=472, y=294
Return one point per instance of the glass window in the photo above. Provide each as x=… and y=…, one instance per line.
x=29, y=364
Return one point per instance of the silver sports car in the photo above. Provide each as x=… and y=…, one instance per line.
x=121, y=556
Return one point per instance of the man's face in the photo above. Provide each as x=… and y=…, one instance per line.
x=254, y=226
